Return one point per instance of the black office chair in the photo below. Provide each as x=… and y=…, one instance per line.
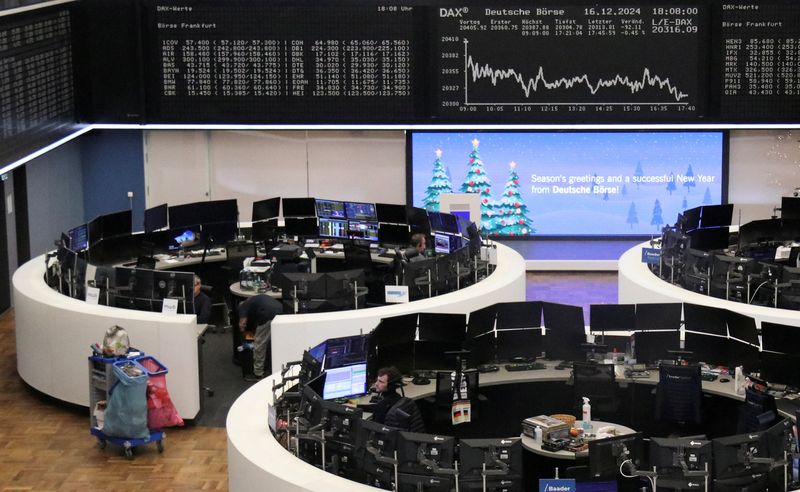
x=356, y=257
x=405, y=415
x=598, y=383
x=729, y=278
x=757, y=413
x=679, y=396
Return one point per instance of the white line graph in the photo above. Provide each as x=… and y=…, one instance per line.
x=477, y=71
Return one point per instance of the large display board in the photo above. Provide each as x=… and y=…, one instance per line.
x=37, y=104
x=571, y=183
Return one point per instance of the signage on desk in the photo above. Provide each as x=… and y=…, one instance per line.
x=556, y=485
x=92, y=295
x=651, y=255
x=169, y=306
x=396, y=294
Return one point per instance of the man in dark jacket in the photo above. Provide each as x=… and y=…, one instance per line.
x=202, y=303
x=258, y=311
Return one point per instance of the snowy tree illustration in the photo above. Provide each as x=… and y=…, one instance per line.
x=632, y=217
x=638, y=172
x=440, y=183
x=512, y=212
x=477, y=181
x=671, y=183
x=689, y=183
x=657, y=220
x=707, y=197
x=684, y=204
x=624, y=189
x=605, y=196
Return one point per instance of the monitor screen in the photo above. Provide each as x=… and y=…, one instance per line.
x=733, y=455
x=302, y=285
x=299, y=207
x=524, y=343
x=442, y=327
x=418, y=220
x=653, y=346
x=441, y=243
x=134, y=282
x=705, y=319
x=716, y=215
x=266, y=209
x=265, y=230
x=574, y=183
x=691, y=219
x=394, y=234
x=361, y=211
x=333, y=228
x=302, y=227
x=709, y=239
x=346, y=351
x=184, y=238
x=780, y=338
x=790, y=207
x=673, y=457
x=612, y=317
x=217, y=211
x=713, y=350
x=391, y=213
x=411, y=446
x=658, y=316
x=344, y=382
x=79, y=238
x=185, y=215
x=365, y=231
x=523, y=314
x=473, y=453
x=318, y=351
x=759, y=231
x=95, y=230
x=220, y=233
x=566, y=331
x=442, y=222
x=155, y=218
x=330, y=209
x=607, y=455
x=481, y=321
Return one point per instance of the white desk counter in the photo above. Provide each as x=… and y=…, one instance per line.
x=637, y=284
x=293, y=334
x=54, y=333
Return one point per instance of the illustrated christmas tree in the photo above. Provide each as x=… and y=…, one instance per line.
x=440, y=183
x=605, y=196
x=477, y=181
x=624, y=190
x=671, y=183
x=632, y=217
x=638, y=172
x=511, y=211
x=689, y=183
x=707, y=197
x=684, y=204
x=657, y=220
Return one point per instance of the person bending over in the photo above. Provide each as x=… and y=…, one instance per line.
x=258, y=311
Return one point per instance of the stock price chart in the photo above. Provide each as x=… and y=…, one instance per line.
x=572, y=63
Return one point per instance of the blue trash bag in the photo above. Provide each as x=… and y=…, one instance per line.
x=126, y=413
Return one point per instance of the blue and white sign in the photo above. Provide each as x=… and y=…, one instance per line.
x=651, y=255
x=396, y=293
x=556, y=485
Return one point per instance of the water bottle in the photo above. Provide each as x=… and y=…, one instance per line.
x=587, y=414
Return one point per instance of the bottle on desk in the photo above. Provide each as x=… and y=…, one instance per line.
x=586, y=414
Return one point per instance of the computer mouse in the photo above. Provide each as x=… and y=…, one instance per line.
x=420, y=381
x=724, y=380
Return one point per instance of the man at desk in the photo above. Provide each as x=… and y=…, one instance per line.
x=202, y=303
x=258, y=311
x=389, y=407
x=417, y=250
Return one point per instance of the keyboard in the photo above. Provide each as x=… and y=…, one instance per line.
x=425, y=374
x=708, y=376
x=484, y=368
x=637, y=374
x=525, y=366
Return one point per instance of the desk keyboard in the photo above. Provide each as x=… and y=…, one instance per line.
x=708, y=376
x=525, y=366
x=637, y=374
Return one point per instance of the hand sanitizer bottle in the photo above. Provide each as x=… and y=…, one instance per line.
x=587, y=414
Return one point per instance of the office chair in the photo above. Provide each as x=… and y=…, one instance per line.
x=405, y=415
x=679, y=395
x=356, y=257
x=757, y=413
x=598, y=383
x=697, y=271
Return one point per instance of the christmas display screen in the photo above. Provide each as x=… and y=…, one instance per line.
x=571, y=183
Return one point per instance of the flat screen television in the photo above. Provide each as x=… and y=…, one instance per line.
x=573, y=183
x=330, y=209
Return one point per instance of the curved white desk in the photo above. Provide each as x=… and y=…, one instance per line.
x=637, y=284
x=54, y=333
x=531, y=445
x=293, y=334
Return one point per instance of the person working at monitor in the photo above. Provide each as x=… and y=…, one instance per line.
x=202, y=303
x=258, y=311
x=417, y=250
x=391, y=408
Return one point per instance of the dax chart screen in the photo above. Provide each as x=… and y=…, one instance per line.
x=572, y=63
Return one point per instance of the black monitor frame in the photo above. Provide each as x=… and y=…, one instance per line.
x=156, y=218
x=499, y=455
x=299, y=207
x=266, y=209
x=607, y=455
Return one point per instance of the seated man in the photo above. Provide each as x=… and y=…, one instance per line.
x=202, y=303
x=417, y=250
x=258, y=311
x=391, y=408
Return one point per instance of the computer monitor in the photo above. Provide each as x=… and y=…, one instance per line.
x=442, y=222
x=776, y=337
x=340, y=286
x=175, y=285
x=394, y=234
x=418, y=220
x=185, y=215
x=265, y=230
x=790, y=207
x=302, y=227
x=608, y=456
x=212, y=211
x=345, y=382
x=523, y=314
x=481, y=321
x=413, y=449
x=735, y=457
x=742, y=327
x=713, y=350
x=658, y=316
x=780, y=368
x=346, y=351
x=566, y=331
x=95, y=230
x=691, y=219
x=759, y=231
x=329, y=209
x=409, y=482
x=743, y=354
x=266, y=209
x=499, y=455
x=79, y=238
x=442, y=243
x=299, y=207
x=705, y=319
x=318, y=351
x=184, y=238
x=681, y=460
x=364, y=212
x=780, y=438
x=716, y=215
x=377, y=442
x=302, y=285
x=391, y=213
x=117, y=224
x=442, y=327
x=712, y=238
x=612, y=317
x=105, y=280
x=653, y=346
x=333, y=228
x=155, y=218
x=361, y=230
x=520, y=343
x=219, y=233
x=343, y=421
x=311, y=409
x=392, y=344
x=134, y=288
x=419, y=277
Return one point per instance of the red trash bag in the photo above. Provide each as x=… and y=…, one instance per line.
x=161, y=411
